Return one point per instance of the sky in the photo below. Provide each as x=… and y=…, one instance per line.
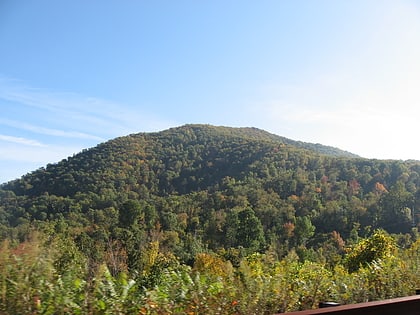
x=77, y=73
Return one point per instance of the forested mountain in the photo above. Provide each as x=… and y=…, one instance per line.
x=196, y=181
x=205, y=189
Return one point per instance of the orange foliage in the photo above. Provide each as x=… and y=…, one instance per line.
x=289, y=227
x=380, y=188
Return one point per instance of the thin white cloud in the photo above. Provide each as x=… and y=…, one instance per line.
x=65, y=124
x=48, y=131
x=20, y=141
x=94, y=117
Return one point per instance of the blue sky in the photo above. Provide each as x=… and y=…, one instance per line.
x=77, y=73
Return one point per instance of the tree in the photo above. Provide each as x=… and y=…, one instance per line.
x=250, y=232
x=304, y=230
x=130, y=213
x=380, y=245
x=395, y=206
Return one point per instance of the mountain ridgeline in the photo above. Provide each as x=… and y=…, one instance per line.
x=201, y=188
x=181, y=160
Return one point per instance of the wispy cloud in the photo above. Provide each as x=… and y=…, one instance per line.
x=48, y=131
x=21, y=141
x=79, y=116
x=39, y=126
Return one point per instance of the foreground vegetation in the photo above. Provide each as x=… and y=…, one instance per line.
x=50, y=276
x=202, y=219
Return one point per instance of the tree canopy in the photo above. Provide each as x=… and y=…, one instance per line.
x=142, y=202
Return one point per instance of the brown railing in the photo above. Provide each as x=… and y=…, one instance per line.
x=401, y=306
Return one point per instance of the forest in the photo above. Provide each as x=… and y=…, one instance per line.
x=203, y=219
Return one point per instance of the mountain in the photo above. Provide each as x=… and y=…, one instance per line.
x=200, y=187
x=165, y=146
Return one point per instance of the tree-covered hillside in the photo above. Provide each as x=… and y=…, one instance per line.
x=249, y=166
x=200, y=189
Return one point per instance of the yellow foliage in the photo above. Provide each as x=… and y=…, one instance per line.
x=211, y=264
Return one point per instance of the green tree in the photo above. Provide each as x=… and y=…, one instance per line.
x=250, y=233
x=130, y=214
x=396, y=213
x=304, y=230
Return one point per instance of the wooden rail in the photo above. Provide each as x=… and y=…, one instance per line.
x=401, y=306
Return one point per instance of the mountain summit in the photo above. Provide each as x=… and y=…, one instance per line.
x=181, y=150
x=197, y=188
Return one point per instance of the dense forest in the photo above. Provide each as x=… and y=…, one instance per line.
x=203, y=219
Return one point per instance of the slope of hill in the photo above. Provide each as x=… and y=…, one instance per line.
x=220, y=145
x=201, y=187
